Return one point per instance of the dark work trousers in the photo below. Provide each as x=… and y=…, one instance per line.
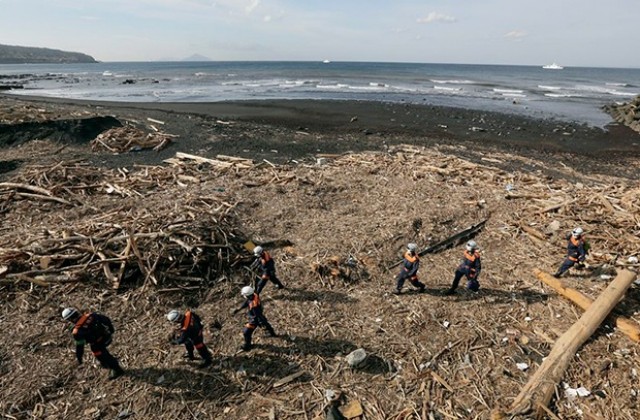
x=197, y=343
x=105, y=358
x=261, y=283
x=414, y=282
x=566, y=264
x=249, y=328
x=472, y=283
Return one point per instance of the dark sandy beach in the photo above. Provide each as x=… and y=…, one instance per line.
x=284, y=130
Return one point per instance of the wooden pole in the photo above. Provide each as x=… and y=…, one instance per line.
x=626, y=325
x=538, y=391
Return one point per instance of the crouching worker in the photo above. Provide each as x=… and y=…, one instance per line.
x=469, y=267
x=256, y=316
x=190, y=333
x=576, y=251
x=96, y=330
x=409, y=271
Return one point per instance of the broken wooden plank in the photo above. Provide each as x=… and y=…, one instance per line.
x=289, y=378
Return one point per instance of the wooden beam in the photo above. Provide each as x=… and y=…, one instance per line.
x=627, y=326
x=540, y=388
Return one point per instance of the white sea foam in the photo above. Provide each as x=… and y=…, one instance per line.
x=507, y=91
x=514, y=95
x=618, y=93
x=453, y=82
x=617, y=84
x=451, y=89
x=546, y=87
x=562, y=95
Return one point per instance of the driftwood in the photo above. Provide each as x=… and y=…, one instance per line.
x=128, y=138
x=538, y=391
x=627, y=326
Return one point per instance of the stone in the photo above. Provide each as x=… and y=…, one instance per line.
x=357, y=358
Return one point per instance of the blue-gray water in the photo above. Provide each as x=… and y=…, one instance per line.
x=572, y=94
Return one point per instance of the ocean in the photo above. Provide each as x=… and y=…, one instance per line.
x=573, y=94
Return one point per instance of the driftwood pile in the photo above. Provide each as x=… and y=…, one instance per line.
x=116, y=225
x=348, y=219
x=130, y=139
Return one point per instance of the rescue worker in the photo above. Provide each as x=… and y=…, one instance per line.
x=266, y=269
x=256, y=316
x=96, y=330
x=576, y=251
x=469, y=267
x=190, y=334
x=409, y=271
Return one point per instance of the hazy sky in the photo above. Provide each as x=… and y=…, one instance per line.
x=570, y=32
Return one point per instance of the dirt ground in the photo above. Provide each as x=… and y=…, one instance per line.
x=347, y=186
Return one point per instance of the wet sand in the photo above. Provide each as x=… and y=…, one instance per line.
x=284, y=130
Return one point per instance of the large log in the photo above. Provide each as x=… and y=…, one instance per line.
x=626, y=325
x=449, y=242
x=538, y=391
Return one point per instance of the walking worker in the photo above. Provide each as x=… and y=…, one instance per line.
x=409, y=271
x=469, y=267
x=96, y=330
x=190, y=334
x=267, y=269
x=576, y=251
x=256, y=316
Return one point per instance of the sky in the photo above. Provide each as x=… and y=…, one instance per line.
x=593, y=33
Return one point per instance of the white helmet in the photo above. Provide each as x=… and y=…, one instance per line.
x=247, y=291
x=174, y=315
x=257, y=251
x=69, y=313
x=471, y=245
x=412, y=247
x=577, y=232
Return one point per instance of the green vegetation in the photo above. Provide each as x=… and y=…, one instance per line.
x=10, y=54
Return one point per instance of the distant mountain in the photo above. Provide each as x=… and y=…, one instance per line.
x=196, y=57
x=10, y=54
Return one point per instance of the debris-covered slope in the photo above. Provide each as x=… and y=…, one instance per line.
x=106, y=240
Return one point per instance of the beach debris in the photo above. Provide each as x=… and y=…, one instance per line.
x=538, y=391
x=129, y=139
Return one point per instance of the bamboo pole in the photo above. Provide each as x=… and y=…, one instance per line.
x=538, y=391
x=626, y=325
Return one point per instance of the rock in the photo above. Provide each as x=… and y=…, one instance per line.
x=553, y=226
x=357, y=358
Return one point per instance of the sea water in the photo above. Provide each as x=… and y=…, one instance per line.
x=573, y=94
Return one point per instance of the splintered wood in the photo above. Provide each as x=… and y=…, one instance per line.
x=180, y=235
x=131, y=139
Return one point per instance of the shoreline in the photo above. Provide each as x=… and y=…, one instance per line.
x=284, y=130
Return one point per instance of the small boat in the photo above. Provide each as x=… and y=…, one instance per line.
x=553, y=66
x=326, y=61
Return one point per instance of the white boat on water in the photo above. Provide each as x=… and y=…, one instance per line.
x=326, y=61
x=553, y=66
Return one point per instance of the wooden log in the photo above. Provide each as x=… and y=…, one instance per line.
x=538, y=391
x=449, y=242
x=627, y=326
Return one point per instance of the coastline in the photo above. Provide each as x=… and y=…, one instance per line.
x=284, y=130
